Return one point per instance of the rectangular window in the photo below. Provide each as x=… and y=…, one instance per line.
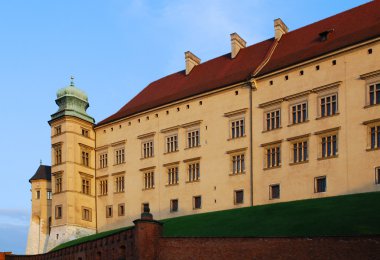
x=58, y=184
x=38, y=194
x=86, y=214
x=239, y=196
x=174, y=205
x=120, y=157
x=49, y=195
x=320, y=184
x=173, y=175
x=299, y=113
x=85, y=158
x=193, y=172
x=145, y=207
x=85, y=132
x=329, y=105
x=237, y=128
x=238, y=164
x=148, y=180
x=273, y=156
x=375, y=136
x=103, y=160
x=300, y=151
x=377, y=175
x=273, y=119
x=147, y=148
x=374, y=94
x=58, y=130
x=172, y=143
x=193, y=138
x=86, y=186
x=119, y=184
x=197, y=202
x=109, y=211
x=274, y=191
x=121, y=209
x=329, y=146
x=103, y=187
x=58, y=211
x=58, y=154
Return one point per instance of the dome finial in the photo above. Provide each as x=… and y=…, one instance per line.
x=72, y=81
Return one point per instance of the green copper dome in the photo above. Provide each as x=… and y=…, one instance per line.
x=72, y=102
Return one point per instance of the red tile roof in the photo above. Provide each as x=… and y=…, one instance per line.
x=350, y=27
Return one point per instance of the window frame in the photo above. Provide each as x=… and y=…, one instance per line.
x=237, y=163
x=84, y=215
x=304, y=115
x=86, y=185
x=268, y=164
x=119, y=155
x=58, y=183
x=120, y=212
x=296, y=151
x=172, y=208
x=103, y=187
x=193, y=171
x=276, y=121
x=330, y=95
x=377, y=175
x=173, y=175
x=148, y=180
x=147, y=148
x=103, y=160
x=326, y=141
x=373, y=139
x=237, y=130
x=190, y=137
x=316, y=187
x=109, y=211
x=271, y=193
x=195, y=206
x=119, y=182
x=171, y=146
x=236, y=202
x=59, y=211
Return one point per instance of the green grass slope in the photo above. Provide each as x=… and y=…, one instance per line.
x=349, y=215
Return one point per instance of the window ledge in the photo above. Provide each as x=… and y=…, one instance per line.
x=328, y=157
x=197, y=208
x=176, y=151
x=116, y=164
x=145, y=158
x=369, y=106
x=235, y=174
x=148, y=189
x=372, y=149
x=273, y=129
x=193, y=181
x=102, y=195
x=323, y=117
x=274, y=198
x=118, y=192
x=174, y=184
x=234, y=138
x=296, y=163
x=300, y=123
x=194, y=147
x=271, y=168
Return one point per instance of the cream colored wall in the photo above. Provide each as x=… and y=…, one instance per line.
x=353, y=170
x=216, y=186
x=71, y=169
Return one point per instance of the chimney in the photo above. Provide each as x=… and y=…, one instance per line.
x=191, y=61
x=237, y=43
x=280, y=28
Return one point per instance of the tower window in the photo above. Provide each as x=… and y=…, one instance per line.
x=58, y=211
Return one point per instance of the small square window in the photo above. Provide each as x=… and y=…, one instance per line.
x=317, y=67
x=174, y=205
x=334, y=62
x=121, y=209
x=274, y=191
x=369, y=51
x=301, y=73
x=58, y=211
x=239, y=197
x=377, y=175
x=145, y=207
x=197, y=202
x=320, y=184
x=109, y=211
x=286, y=77
x=86, y=214
x=85, y=132
x=271, y=82
x=38, y=195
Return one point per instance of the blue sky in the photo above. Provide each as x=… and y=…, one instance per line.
x=114, y=49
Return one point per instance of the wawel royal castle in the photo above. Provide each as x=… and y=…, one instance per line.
x=294, y=117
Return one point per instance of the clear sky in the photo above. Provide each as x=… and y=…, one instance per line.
x=114, y=48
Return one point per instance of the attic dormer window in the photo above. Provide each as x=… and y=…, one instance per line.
x=325, y=35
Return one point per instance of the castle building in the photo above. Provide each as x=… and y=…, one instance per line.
x=293, y=117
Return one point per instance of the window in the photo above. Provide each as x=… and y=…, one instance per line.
x=58, y=130
x=329, y=105
x=320, y=184
x=329, y=145
x=197, y=202
x=147, y=148
x=172, y=143
x=119, y=184
x=49, y=195
x=238, y=164
x=120, y=158
x=103, y=187
x=58, y=154
x=238, y=196
x=109, y=211
x=58, y=211
x=86, y=214
x=38, y=194
x=374, y=94
x=237, y=128
x=86, y=186
x=300, y=151
x=377, y=175
x=58, y=184
x=299, y=113
x=173, y=175
x=273, y=156
x=274, y=191
x=193, y=138
x=145, y=207
x=121, y=209
x=193, y=172
x=273, y=119
x=174, y=205
x=375, y=136
x=85, y=158
x=103, y=162
x=148, y=180
x=85, y=132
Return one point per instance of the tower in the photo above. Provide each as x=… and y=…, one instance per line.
x=73, y=168
x=40, y=219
